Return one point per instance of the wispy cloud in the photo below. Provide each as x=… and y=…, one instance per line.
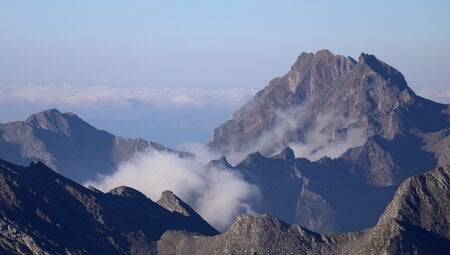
x=218, y=194
x=323, y=134
x=122, y=96
x=441, y=96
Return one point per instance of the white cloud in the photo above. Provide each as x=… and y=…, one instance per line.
x=321, y=135
x=441, y=96
x=121, y=96
x=218, y=195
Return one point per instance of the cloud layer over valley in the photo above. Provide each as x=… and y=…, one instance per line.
x=310, y=135
x=144, y=112
x=217, y=194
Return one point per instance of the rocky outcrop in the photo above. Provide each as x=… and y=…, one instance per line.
x=42, y=212
x=415, y=222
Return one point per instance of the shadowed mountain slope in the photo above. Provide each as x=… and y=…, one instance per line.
x=43, y=212
x=417, y=221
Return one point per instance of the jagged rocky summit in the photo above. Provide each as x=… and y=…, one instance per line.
x=356, y=131
x=336, y=94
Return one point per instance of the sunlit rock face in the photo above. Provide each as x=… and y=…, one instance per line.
x=356, y=129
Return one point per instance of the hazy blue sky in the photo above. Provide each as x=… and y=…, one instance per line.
x=211, y=44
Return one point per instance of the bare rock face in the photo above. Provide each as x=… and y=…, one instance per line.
x=42, y=212
x=371, y=93
x=357, y=131
x=323, y=196
x=415, y=222
x=67, y=144
x=341, y=101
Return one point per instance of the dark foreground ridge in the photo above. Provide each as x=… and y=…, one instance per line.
x=43, y=212
x=417, y=221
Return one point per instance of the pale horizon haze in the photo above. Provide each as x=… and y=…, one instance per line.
x=171, y=71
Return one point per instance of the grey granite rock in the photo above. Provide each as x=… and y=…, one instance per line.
x=400, y=135
x=42, y=212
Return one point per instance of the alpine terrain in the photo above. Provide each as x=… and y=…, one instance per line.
x=43, y=212
x=67, y=144
x=330, y=141
x=346, y=159
x=417, y=221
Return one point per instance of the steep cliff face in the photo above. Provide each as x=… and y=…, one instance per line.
x=42, y=212
x=327, y=104
x=67, y=144
x=324, y=195
x=356, y=129
x=415, y=222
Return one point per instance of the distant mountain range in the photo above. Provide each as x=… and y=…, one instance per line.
x=67, y=144
x=341, y=147
x=356, y=129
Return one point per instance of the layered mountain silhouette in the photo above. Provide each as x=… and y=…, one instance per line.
x=43, y=212
x=331, y=140
x=338, y=92
x=415, y=222
x=67, y=144
x=335, y=145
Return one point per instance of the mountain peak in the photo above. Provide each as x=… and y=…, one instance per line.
x=287, y=154
x=68, y=144
x=173, y=203
x=127, y=192
x=222, y=162
x=52, y=120
x=325, y=54
x=387, y=72
x=369, y=93
x=313, y=72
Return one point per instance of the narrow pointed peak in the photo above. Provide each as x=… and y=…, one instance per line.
x=222, y=162
x=386, y=71
x=287, y=154
x=173, y=203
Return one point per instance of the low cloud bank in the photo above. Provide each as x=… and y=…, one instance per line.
x=310, y=135
x=217, y=194
x=72, y=95
x=441, y=96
